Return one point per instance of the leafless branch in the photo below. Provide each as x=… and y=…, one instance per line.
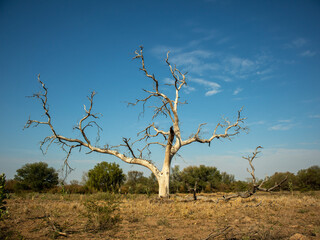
x=126, y=141
x=255, y=186
x=217, y=233
x=230, y=130
x=68, y=144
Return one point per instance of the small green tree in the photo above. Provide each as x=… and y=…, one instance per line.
x=36, y=176
x=137, y=183
x=290, y=184
x=309, y=179
x=207, y=178
x=176, y=184
x=106, y=177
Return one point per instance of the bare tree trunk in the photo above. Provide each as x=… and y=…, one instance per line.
x=164, y=184
x=164, y=177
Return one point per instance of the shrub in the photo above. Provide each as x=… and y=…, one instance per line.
x=105, y=177
x=3, y=196
x=206, y=178
x=290, y=184
x=11, y=186
x=36, y=177
x=309, y=179
x=104, y=214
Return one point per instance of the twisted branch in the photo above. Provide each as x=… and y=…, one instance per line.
x=69, y=144
x=230, y=130
x=255, y=186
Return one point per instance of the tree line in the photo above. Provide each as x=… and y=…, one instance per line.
x=109, y=177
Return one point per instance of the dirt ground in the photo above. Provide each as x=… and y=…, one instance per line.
x=263, y=216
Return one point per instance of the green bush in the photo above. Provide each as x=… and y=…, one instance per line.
x=36, y=177
x=137, y=183
x=289, y=185
x=106, y=177
x=206, y=178
x=10, y=186
x=309, y=179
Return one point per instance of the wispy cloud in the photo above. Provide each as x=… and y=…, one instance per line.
x=196, y=62
x=282, y=125
x=223, y=40
x=258, y=67
x=296, y=43
x=317, y=116
x=261, y=122
x=238, y=66
x=161, y=50
x=212, y=87
x=238, y=90
x=299, y=42
x=285, y=121
x=310, y=143
x=168, y=81
x=220, y=66
x=188, y=89
x=308, y=53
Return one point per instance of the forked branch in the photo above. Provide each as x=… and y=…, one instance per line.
x=230, y=130
x=69, y=144
x=255, y=186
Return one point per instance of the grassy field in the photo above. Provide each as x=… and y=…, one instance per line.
x=263, y=216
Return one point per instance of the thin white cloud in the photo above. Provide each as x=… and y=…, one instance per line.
x=285, y=121
x=161, y=50
x=209, y=36
x=188, y=89
x=299, y=42
x=296, y=43
x=282, y=125
x=237, y=91
x=223, y=40
x=310, y=143
x=190, y=58
x=261, y=122
x=308, y=53
x=220, y=66
x=212, y=87
x=265, y=71
x=317, y=116
x=168, y=81
x=241, y=68
x=240, y=62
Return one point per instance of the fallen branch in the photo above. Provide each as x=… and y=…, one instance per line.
x=54, y=228
x=216, y=234
x=255, y=186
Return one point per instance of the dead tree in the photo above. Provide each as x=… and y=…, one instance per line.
x=170, y=139
x=255, y=186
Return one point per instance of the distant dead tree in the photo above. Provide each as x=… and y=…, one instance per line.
x=135, y=151
x=255, y=185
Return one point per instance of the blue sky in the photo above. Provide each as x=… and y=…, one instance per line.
x=263, y=55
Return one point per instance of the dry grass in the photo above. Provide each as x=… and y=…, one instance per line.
x=264, y=216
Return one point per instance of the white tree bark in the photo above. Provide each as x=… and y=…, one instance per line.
x=168, y=108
